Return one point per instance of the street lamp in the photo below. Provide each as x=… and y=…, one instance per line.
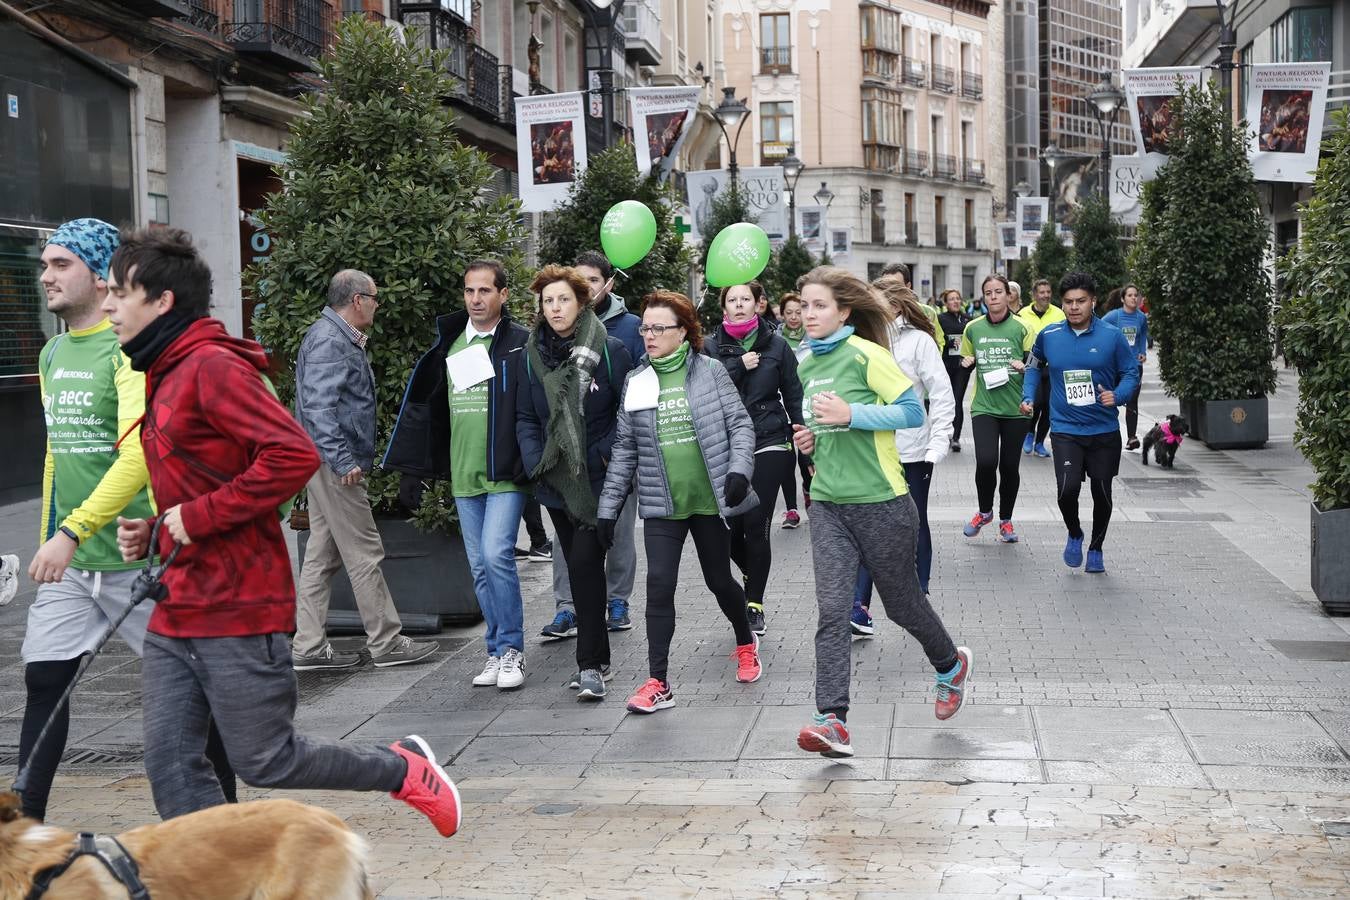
x=731, y=114
x=1227, y=44
x=1051, y=155
x=792, y=171
x=1106, y=100
x=823, y=197
x=1022, y=189
x=600, y=18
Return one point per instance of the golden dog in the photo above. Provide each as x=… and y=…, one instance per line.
x=268, y=848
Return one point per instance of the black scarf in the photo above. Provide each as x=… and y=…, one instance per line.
x=554, y=350
x=146, y=347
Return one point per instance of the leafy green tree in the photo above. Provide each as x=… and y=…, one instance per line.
x=1201, y=258
x=788, y=263
x=729, y=206
x=377, y=180
x=574, y=227
x=1315, y=323
x=1050, y=260
x=1096, y=245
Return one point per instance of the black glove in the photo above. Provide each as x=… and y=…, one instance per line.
x=737, y=486
x=410, y=489
x=604, y=530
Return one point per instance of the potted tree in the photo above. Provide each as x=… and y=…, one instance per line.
x=376, y=179
x=1317, y=341
x=1096, y=246
x=1200, y=258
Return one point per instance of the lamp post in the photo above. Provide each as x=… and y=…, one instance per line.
x=792, y=171
x=823, y=197
x=1106, y=100
x=1227, y=44
x=600, y=17
x=1051, y=155
x=731, y=114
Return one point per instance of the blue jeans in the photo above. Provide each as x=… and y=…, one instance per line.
x=919, y=476
x=489, y=523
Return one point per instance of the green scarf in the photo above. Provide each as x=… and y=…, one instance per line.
x=563, y=466
x=674, y=362
x=791, y=334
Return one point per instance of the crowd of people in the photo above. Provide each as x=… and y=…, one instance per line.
x=598, y=414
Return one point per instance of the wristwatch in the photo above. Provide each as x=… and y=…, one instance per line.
x=70, y=533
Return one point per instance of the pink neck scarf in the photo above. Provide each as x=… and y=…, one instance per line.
x=739, y=330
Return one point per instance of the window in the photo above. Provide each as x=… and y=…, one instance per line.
x=571, y=60
x=878, y=204
x=548, y=54
x=1302, y=35
x=490, y=30
x=940, y=210
x=939, y=280
x=967, y=281
x=880, y=29
x=775, y=130
x=775, y=45
x=520, y=35
x=874, y=270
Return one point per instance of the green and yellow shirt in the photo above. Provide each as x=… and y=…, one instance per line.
x=998, y=387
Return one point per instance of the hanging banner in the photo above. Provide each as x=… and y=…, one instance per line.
x=1032, y=214
x=1286, y=103
x=1008, y=244
x=841, y=242
x=661, y=119
x=811, y=227
x=1148, y=96
x=764, y=194
x=1127, y=183
x=551, y=142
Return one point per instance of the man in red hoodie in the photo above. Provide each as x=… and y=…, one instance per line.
x=223, y=454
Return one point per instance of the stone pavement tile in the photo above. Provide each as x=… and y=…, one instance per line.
x=531, y=749
x=1277, y=778
x=1272, y=748
x=964, y=770
x=1337, y=724
x=1064, y=718
x=594, y=718
x=333, y=725
x=1093, y=746
x=1244, y=722
x=679, y=734
x=775, y=733
x=813, y=766
x=654, y=771
x=506, y=767
x=80, y=728
x=390, y=726
x=1172, y=774
x=963, y=743
x=127, y=732
x=972, y=715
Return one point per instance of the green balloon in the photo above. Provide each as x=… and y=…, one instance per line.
x=627, y=233
x=737, y=255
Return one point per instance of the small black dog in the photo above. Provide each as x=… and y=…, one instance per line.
x=1165, y=438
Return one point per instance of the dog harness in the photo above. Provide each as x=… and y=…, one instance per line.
x=1168, y=436
x=106, y=850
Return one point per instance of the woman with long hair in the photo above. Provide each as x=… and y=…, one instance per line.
x=795, y=333
x=764, y=370
x=1133, y=323
x=922, y=447
x=856, y=399
x=567, y=402
x=995, y=346
x=952, y=321
x=683, y=431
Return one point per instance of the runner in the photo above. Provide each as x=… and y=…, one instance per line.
x=764, y=370
x=223, y=454
x=1014, y=298
x=856, y=398
x=567, y=399
x=685, y=435
x=952, y=323
x=1133, y=323
x=794, y=333
x=1039, y=314
x=995, y=345
x=1091, y=369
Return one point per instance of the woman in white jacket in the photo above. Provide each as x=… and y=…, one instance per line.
x=920, y=448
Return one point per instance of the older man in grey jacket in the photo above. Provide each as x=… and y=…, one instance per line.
x=335, y=404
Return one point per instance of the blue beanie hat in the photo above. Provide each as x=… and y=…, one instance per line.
x=92, y=240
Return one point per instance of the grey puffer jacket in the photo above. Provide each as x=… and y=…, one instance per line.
x=725, y=434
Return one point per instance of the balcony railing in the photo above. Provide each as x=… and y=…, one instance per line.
x=289, y=33
x=973, y=171
x=484, y=85
x=944, y=166
x=204, y=15
x=970, y=240
x=505, y=81
x=916, y=161
x=163, y=9
x=913, y=71
x=944, y=79
x=912, y=233
x=775, y=60
x=940, y=235
x=478, y=77
x=642, y=28
x=972, y=86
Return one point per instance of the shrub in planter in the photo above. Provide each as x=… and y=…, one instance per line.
x=1096, y=245
x=1315, y=317
x=1049, y=260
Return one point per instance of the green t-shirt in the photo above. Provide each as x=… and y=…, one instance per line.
x=691, y=489
x=88, y=385
x=469, y=434
x=998, y=388
x=854, y=465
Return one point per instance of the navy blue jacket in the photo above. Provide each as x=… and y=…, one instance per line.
x=622, y=324
x=601, y=410
x=1103, y=351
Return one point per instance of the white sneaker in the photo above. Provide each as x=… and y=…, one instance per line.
x=512, y=671
x=488, y=677
x=9, y=577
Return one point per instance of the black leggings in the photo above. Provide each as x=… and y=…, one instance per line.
x=664, y=540
x=1132, y=410
x=959, y=376
x=750, y=547
x=585, y=557
x=46, y=682
x=998, y=456
x=1040, y=415
x=1102, y=506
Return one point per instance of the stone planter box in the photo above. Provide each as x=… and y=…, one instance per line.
x=1331, y=559
x=1229, y=424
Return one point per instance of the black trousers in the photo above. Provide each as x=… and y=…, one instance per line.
x=1040, y=413
x=664, y=540
x=790, y=479
x=750, y=546
x=1095, y=457
x=1132, y=409
x=998, y=458
x=534, y=524
x=959, y=377
x=586, y=576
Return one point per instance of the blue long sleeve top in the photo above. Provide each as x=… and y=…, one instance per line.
x=1133, y=325
x=905, y=412
x=1100, y=354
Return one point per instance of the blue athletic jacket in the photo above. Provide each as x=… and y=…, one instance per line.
x=1101, y=350
x=1134, y=325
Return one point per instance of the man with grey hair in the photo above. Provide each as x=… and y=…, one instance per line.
x=335, y=404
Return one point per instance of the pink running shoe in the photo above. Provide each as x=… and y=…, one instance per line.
x=426, y=787
x=748, y=668
x=653, y=695
x=792, y=519
x=826, y=736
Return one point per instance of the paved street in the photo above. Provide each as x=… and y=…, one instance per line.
x=1178, y=727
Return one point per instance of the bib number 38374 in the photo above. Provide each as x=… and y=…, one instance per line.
x=1078, y=387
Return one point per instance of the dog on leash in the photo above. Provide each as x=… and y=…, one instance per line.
x=1164, y=438
x=267, y=848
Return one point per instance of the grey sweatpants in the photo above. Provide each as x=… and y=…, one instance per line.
x=620, y=561
x=881, y=536
x=248, y=686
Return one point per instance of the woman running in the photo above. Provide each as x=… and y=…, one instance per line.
x=764, y=370
x=795, y=334
x=684, y=432
x=856, y=398
x=566, y=406
x=995, y=346
x=953, y=321
x=1133, y=323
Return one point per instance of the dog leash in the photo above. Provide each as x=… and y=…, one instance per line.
x=147, y=586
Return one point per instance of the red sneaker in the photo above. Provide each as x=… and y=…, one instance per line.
x=952, y=686
x=653, y=695
x=748, y=668
x=826, y=736
x=426, y=787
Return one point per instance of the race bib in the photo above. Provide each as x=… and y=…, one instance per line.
x=995, y=378
x=954, y=345
x=1078, y=387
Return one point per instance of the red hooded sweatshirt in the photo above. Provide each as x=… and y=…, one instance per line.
x=218, y=443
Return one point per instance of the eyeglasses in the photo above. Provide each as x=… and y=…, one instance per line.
x=657, y=330
x=374, y=297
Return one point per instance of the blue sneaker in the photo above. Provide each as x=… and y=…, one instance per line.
x=564, y=625
x=618, y=615
x=1027, y=442
x=979, y=520
x=860, y=621
x=1095, y=564
x=1073, y=552
x=1041, y=451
